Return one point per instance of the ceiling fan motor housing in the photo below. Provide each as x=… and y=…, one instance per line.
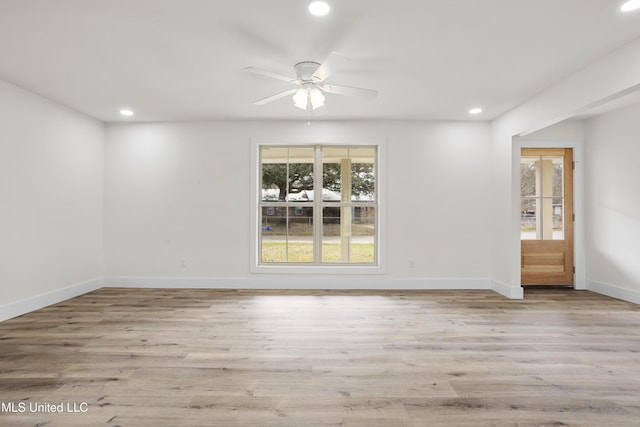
x=304, y=71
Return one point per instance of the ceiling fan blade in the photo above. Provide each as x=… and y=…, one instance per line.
x=350, y=91
x=333, y=63
x=261, y=72
x=274, y=97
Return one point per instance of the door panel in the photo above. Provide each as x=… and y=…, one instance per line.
x=546, y=216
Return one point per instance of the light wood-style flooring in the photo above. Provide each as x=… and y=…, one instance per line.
x=196, y=357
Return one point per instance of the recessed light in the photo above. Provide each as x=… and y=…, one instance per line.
x=319, y=8
x=630, y=5
x=125, y=112
x=476, y=110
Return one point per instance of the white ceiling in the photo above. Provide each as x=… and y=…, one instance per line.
x=184, y=59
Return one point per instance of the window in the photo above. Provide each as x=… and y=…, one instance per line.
x=542, y=203
x=317, y=205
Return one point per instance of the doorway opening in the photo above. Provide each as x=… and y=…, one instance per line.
x=546, y=217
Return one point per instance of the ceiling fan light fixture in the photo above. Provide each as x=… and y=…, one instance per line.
x=301, y=99
x=310, y=76
x=316, y=97
x=319, y=8
x=630, y=5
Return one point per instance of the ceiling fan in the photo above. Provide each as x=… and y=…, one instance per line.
x=310, y=78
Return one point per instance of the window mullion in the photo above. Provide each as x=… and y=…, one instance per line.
x=286, y=214
x=540, y=200
x=317, y=206
x=260, y=206
x=345, y=209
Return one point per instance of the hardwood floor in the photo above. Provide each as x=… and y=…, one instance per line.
x=156, y=357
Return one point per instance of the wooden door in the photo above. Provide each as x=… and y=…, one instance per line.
x=546, y=216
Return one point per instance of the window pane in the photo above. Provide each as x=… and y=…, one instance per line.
x=557, y=175
x=331, y=245
x=528, y=219
x=300, y=174
x=528, y=175
x=274, y=234
x=273, y=173
x=348, y=234
x=363, y=174
x=550, y=176
x=331, y=182
x=300, y=234
x=363, y=228
x=287, y=238
x=334, y=160
x=558, y=219
x=287, y=173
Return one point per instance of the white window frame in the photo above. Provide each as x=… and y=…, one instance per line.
x=255, y=192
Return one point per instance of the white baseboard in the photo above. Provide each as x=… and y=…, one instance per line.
x=297, y=283
x=24, y=306
x=511, y=292
x=626, y=294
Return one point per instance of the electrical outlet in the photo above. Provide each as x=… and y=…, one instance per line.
x=412, y=263
x=183, y=263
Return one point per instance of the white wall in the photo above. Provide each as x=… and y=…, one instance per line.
x=51, y=195
x=568, y=131
x=612, y=175
x=181, y=190
x=611, y=77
